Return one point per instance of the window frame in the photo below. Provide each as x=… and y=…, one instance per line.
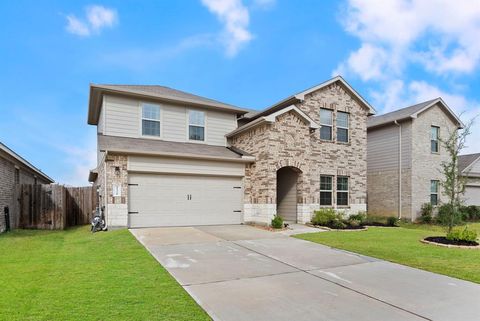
x=326, y=125
x=341, y=127
x=204, y=141
x=437, y=151
x=326, y=191
x=437, y=193
x=347, y=191
x=160, y=121
x=16, y=177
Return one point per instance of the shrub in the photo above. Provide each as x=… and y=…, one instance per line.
x=354, y=222
x=465, y=235
x=325, y=216
x=472, y=213
x=392, y=221
x=426, y=213
x=277, y=222
x=360, y=216
x=337, y=224
x=447, y=212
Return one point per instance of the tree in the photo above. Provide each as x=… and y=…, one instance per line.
x=454, y=182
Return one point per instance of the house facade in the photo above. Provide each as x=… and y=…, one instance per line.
x=469, y=167
x=405, y=156
x=15, y=170
x=169, y=158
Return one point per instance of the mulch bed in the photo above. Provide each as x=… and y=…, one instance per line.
x=444, y=240
x=377, y=224
x=346, y=229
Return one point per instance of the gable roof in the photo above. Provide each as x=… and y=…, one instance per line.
x=24, y=162
x=152, y=92
x=270, y=118
x=298, y=97
x=465, y=162
x=411, y=112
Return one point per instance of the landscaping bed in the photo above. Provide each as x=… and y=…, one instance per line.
x=443, y=240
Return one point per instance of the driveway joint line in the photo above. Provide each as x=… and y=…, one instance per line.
x=243, y=278
x=341, y=285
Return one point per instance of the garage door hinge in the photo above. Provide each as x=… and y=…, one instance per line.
x=237, y=211
x=237, y=187
x=132, y=184
x=132, y=212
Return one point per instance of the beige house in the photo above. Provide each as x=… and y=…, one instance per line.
x=469, y=166
x=170, y=158
x=405, y=157
x=14, y=169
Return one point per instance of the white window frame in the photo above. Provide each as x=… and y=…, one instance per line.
x=159, y=120
x=347, y=128
x=204, y=141
x=347, y=191
x=326, y=191
x=437, y=193
x=326, y=125
x=438, y=139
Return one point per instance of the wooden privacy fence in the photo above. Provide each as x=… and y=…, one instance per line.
x=52, y=207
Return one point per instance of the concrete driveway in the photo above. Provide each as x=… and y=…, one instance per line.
x=239, y=272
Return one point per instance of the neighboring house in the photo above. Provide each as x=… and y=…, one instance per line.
x=405, y=157
x=169, y=158
x=469, y=166
x=15, y=170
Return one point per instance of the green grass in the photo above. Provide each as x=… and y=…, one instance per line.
x=77, y=275
x=401, y=245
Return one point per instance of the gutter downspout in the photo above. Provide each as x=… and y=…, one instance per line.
x=399, y=169
x=105, y=196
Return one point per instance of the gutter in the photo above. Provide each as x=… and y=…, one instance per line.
x=399, y=168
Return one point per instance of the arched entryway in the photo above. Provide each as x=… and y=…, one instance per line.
x=287, y=179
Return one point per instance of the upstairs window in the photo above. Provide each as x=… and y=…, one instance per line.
x=434, y=133
x=196, y=125
x=326, y=190
x=342, y=127
x=150, y=120
x=434, y=192
x=326, y=124
x=17, y=176
x=342, y=190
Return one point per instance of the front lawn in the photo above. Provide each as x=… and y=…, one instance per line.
x=77, y=275
x=401, y=245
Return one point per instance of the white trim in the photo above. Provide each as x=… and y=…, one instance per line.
x=439, y=100
x=342, y=191
x=271, y=119
x=337, y=127
x=326, y=125
x=331, y=191
x=187, y=116
x=140, y=106
x=302, y=94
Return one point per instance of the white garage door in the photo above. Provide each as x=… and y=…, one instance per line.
x=472, y=195
x=183, y=200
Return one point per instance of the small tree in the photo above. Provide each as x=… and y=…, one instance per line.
x=454, y=182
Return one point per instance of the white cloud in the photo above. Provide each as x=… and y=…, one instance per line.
x=96, y=18
x=405, y=28
x=236, y=18
x=264, y=4
x=81, y=160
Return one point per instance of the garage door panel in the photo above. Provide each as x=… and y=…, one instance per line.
x=472, y=195
x=163, y=200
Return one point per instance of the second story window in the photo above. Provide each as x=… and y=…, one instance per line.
x=196, y=125
x=17, y=176
x=326, y=124
x=342, y=127
x=150, y=120
x=434, y=133
x=434, y=192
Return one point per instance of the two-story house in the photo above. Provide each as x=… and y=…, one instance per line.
x=469, y=167
x=405, y=156
x=170, y=158
x=14, y=170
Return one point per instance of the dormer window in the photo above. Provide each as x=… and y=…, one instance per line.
x=150, y=120
x=196, y=125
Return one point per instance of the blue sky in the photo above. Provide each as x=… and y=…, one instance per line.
x=247, y=53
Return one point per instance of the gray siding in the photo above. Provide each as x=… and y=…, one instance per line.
x=382, y=147
x=475, y=169
x=123, y=118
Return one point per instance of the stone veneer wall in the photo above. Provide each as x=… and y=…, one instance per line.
x=427, y=165
x=116, y=208
x=289, y=142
